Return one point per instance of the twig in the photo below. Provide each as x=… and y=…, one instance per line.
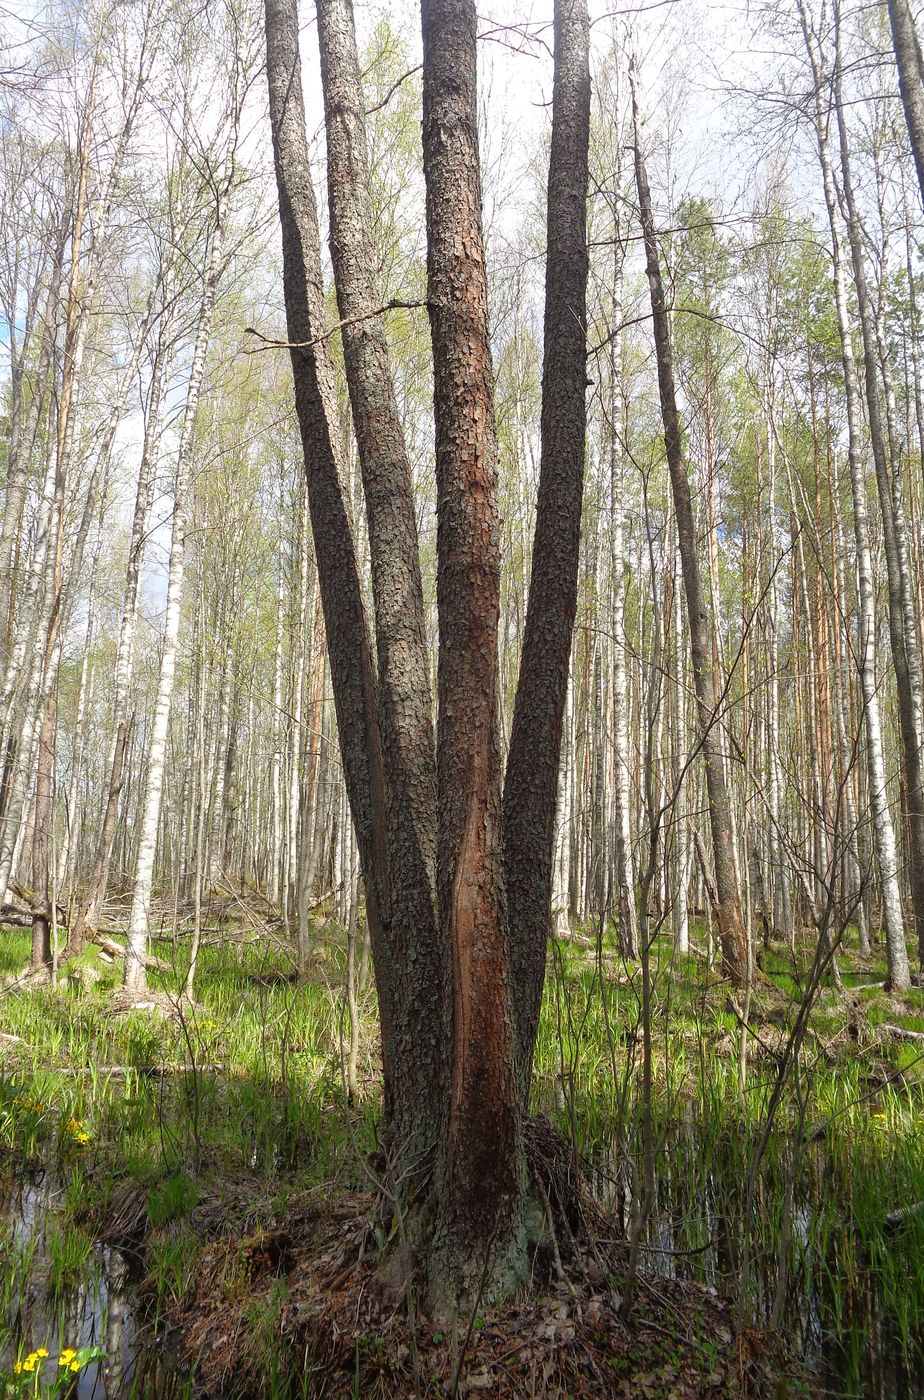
x=268, y=343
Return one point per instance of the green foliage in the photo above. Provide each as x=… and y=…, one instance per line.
x=171, y=1199
x=843, y=1152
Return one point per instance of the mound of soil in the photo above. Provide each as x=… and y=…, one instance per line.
x=305, y=1299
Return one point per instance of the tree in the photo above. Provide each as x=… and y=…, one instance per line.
x=473, y=1125
x=899, y=974
x=531, y=780
x=910, y=65
x=404, y=702
x=728, y=900
x=218, y=185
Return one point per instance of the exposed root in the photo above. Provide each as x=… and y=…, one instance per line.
x=301, y=1298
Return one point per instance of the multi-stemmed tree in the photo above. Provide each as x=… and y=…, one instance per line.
x=457, y=868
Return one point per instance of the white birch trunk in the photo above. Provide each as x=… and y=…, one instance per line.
x=135, y=979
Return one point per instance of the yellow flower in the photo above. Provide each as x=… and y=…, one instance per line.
x=32, y=1360
x=78, y=1132
x=75, y=1365
x=32, y=1105
x=17, y=1369
x=67, y=1357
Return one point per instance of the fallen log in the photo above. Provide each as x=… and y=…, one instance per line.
x=17, y=916
x=895, y=1217
x=117, y=950
x=899, y=1033
x=150, y=1071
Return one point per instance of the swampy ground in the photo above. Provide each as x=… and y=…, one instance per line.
x=189, y=1199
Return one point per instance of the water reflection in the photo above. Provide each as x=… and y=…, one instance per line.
x=825, y=1297
x=101, y=1309
x=827, y=1302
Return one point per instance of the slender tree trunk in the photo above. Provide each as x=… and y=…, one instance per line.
x=43, y=815
x=134, y=972
x=903, y=627
x=201, y=812
x=883, y=830
x=531, y=782
x=88, y=914
x=33, y=644
x=625, y=861
x=561, y=881
x=731, y=927
x=22, y=440
x=683, y=823
x=272, y=884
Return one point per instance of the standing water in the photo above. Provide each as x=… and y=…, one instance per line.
x=844, y=1296
x=89, y=1305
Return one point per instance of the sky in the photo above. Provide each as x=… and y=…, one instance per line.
x=692, y=55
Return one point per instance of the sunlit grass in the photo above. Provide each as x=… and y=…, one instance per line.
x=249, y=1083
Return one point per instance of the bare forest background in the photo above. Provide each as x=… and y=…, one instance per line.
x=167, y=725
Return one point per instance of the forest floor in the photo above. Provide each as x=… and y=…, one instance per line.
x=214, y=1153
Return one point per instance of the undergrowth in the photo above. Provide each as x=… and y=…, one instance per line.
x=798, y=1222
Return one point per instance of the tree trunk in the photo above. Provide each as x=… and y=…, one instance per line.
x=43, y=816
x=883, y=830
x=531, y=782
x=625, y=859
x=421, y=964
x=134, y=971
x=352, y=671
x=903, y=629
x=731, y=927
x=480, y=1230
x=910, y=78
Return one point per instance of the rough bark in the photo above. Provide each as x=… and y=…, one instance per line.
x=910, y=79
x=479, y=1230
x=531, y=782
x=421, y=970
x=352, y=669
x=728, y=911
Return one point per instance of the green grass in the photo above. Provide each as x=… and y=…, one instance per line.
x=249, y=1085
